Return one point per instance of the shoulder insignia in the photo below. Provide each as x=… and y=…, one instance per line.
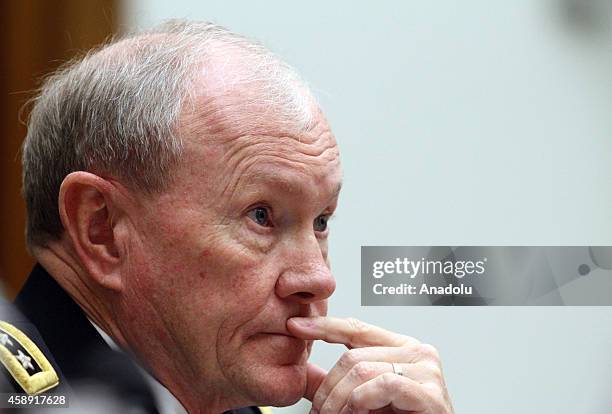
x=265, y=410
x=24, y=361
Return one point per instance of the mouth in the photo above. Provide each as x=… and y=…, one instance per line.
x=287, y=334
x=280, y=335
x=284, y=347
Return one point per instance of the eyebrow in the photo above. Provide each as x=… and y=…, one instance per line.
x=276, y=180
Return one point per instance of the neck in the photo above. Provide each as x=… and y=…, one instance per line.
x=95, y=301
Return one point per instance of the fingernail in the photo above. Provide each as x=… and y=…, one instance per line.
x=313, y=411
x=304, y=323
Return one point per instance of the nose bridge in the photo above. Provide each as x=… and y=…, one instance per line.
x=306, y=276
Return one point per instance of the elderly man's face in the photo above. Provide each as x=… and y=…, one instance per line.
x=236, y=247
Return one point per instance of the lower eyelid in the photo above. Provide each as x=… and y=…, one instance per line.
x=257, y=228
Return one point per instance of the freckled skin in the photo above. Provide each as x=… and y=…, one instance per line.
x=213, y=288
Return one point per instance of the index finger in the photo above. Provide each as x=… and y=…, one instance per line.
x=351, y=332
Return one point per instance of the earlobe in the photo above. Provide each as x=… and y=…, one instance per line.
x=90, y=217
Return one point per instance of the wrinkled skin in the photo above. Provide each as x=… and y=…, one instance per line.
x=226, y=256
x=219, y=283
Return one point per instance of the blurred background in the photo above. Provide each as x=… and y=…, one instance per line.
x=460, y=123
x=37, y=37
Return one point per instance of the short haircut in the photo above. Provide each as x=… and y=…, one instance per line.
x=116, y=111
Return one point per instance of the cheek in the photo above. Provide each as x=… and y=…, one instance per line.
x=233, y=274
x=207, y=268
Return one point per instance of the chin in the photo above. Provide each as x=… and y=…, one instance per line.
x=270, y=369
x=278, y=386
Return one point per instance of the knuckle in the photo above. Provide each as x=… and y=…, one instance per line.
x=435, y=396
x=410, y=341
x=389, y=380
x=429, y=352
x=363, y=371
x=348, y=360
x=354, y=400
x=435, y=371
x=432, y=390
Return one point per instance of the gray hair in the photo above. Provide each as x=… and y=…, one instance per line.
x=116, y=111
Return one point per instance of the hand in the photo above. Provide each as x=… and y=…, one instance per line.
x=363, y=379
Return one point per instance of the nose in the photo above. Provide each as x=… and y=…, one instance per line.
x=306, y=277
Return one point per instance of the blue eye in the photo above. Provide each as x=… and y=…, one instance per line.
x=320, y=223
x=261, y=216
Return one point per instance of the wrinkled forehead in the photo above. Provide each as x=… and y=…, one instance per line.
x=251, y=145
x=250, y=129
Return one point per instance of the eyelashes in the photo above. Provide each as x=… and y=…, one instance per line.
x=262, y=216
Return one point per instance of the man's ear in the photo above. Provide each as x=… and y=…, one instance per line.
x=90, y=211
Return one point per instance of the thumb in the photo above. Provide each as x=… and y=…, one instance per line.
x=314, y=377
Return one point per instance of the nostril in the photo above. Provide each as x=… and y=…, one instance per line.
x=305, y=295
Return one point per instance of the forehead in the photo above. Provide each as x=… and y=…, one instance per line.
x=273, y=155
x=246, y=146
x=240, y=138
x=298, y=167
